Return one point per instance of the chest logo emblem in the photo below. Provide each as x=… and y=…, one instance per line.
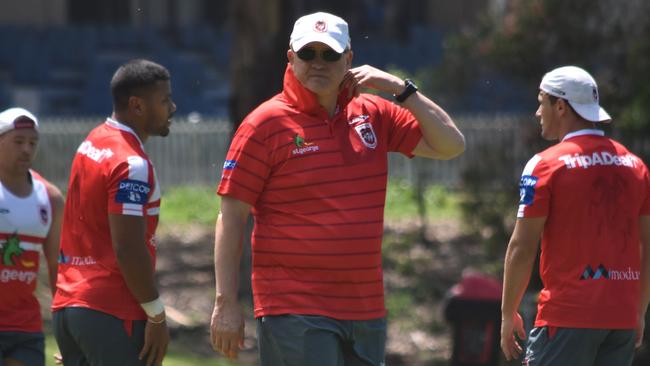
x=367, y=135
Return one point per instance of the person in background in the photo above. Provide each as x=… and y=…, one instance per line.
x=588, y=199
x=31, y=209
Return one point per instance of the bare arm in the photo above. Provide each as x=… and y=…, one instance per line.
x=644, y=234
x=518, y=266
x=441, y=139
x=227, y=327
x=51, y=244
x=129, y=234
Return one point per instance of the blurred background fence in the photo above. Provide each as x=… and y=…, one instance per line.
x=193, y=153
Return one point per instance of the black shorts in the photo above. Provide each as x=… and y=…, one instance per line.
x=90, y=337
x=25, y=347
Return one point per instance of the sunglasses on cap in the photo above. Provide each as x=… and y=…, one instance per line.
x=309, y=54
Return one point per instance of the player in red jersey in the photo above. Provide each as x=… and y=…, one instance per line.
x=588, y=199
x=106, y=308
x=311, y=166
x=30, y=222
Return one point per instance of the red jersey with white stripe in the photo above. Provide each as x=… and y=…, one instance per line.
x=317, y=185
x=111, y=174
x=24, y=225
x=592, y=191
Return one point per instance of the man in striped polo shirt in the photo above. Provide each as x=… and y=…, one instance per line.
x=31, y=209
x=311, y=166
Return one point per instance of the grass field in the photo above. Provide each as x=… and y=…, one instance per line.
x=175, y=356
x=200, y=205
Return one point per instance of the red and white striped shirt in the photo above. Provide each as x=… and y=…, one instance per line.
x=317, y=186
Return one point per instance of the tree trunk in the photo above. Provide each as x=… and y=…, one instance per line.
x=258, y=57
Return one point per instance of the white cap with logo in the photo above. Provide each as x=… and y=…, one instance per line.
x=579, y=89
x=16, y=118
x=320, y=27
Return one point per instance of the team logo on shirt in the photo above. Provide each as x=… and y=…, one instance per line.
x=527, y=189
x=358, y=119
x=43, y=214
x=63, y=259
x=132, y=191
x=602, y=272
x=10, y=249
x=302, y=146
x=86, y=148
x=367, y=134
x=4, y=210
x=299, y=141
x=229, y=164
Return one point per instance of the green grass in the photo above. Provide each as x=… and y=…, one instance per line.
x=200, y=205
x=189, y=205
x=176, y=356
x=401, y=202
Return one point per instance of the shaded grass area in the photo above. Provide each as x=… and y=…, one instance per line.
x=186, y=205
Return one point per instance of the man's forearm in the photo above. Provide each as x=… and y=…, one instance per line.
x=132, y=255
x=438, y=129
x=137, y=269
x=227, y=254
x=516, y=274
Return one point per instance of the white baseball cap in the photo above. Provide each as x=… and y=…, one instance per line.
x=579, y=89
x=320, y=27
x=16, y=118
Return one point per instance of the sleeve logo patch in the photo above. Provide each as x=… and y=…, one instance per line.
x=132, y=191
x=527, y=189
x=229, y=164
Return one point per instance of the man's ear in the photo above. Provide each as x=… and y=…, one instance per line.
x=349, y=57
x=561, y=106
x=290, y=56
x=136, y=105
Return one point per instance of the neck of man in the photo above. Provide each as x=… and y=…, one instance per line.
x=128, y=120
x=329, y=103
x=18, y=183
x=576, y=124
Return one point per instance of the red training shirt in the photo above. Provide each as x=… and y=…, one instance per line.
x=592, y=191
x=111, y=174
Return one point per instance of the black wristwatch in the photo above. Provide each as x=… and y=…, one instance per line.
x=408, y=90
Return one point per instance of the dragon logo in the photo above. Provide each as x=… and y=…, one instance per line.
x=300, y=141
x=10, y=249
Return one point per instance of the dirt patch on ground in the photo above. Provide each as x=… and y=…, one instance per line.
x=428, y=266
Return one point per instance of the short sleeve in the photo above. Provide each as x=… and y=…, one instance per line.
x=534, y=190
x=403, y=129
x=129, y=187
x=247, y=166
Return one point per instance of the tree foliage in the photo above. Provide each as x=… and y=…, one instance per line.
x=609, y=38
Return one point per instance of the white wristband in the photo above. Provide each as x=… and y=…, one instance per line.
x=153, y=308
